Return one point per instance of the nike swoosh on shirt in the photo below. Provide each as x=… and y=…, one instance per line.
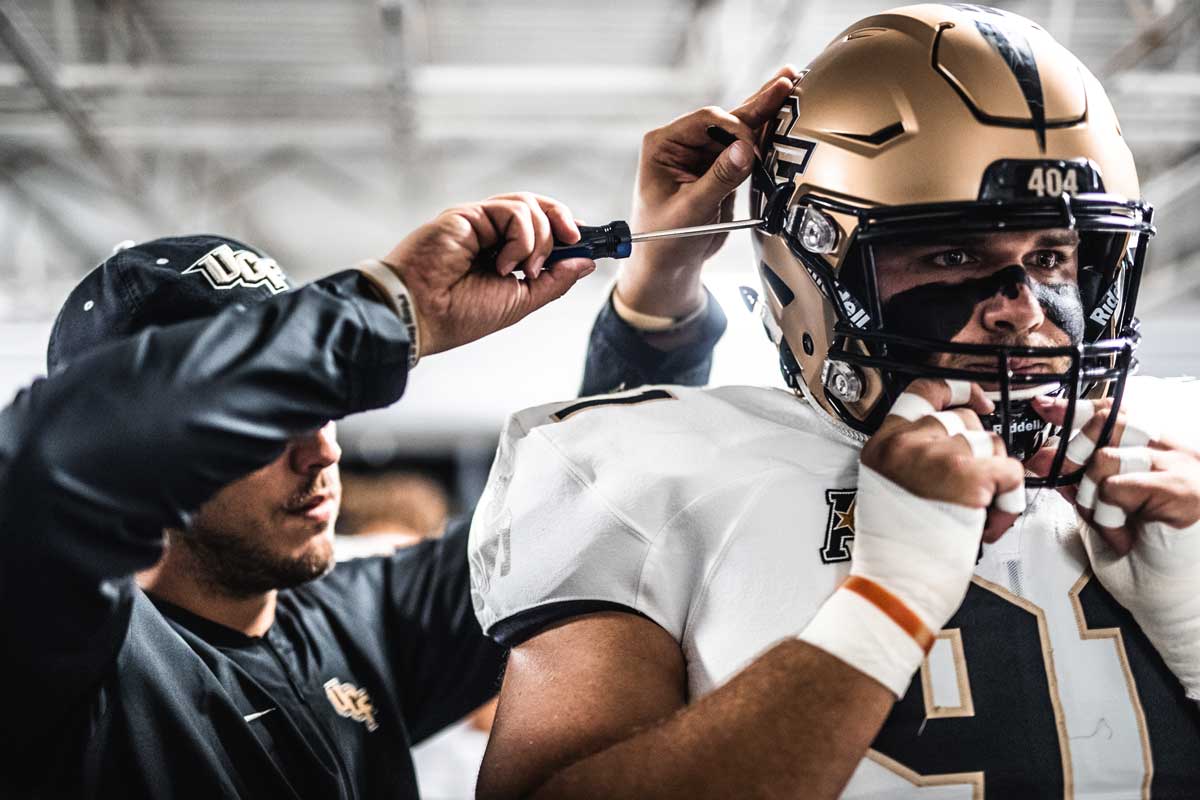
x=256, y=715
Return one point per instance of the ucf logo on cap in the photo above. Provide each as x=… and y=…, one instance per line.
x=226, y=268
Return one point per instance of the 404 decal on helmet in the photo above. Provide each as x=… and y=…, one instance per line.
x=935, y=123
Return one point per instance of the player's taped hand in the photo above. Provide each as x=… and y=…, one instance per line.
x=915, y=545
x=1158, y=581
x=1140, y=498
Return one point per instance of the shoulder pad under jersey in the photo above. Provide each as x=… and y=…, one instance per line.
x=578, y=510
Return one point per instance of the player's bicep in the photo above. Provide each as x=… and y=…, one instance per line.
x=575, y=689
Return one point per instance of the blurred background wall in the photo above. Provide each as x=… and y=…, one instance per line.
x=324, y=130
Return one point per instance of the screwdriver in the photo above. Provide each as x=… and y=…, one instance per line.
x=615, y=240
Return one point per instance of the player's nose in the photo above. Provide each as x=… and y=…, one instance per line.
x=315, y=451
x=1013, y=310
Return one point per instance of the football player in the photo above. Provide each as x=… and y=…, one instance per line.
x=960, y=558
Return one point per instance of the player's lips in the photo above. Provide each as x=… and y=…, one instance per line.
x=1018, y=366
x=318, y=507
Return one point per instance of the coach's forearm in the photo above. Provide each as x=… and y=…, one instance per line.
x=796, y=720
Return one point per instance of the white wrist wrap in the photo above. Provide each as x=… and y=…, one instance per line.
x=912, y=562
x=395, y=293
x=856, y=631
x=1159, y=583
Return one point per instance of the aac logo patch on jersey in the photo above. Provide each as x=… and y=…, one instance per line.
x=351, y=702
x=839, y=528
x=226, y=268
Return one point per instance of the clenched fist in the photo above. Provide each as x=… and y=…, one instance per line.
x=458, y=267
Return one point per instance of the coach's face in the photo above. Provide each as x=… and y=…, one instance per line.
x=273, y=529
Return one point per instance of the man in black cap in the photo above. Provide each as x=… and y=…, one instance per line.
x=191, y=391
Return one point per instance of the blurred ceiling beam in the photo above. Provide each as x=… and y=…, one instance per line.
x=128, y=35
x=398, y=18
x=66, y=30
x=48, y=216
x=1153, y=36
x=1149, y=83
x=1172, y=185
x=35, y=59
x=220, y=80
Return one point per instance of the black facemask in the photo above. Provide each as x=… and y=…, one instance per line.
x=941, y=310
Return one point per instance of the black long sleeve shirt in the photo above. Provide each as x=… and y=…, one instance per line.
x=114, y=693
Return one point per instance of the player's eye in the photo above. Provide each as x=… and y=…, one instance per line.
x=953, y=258
x=1047, y=259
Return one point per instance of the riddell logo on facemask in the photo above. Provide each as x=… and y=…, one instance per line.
x=1020, y=426
x=225, y=268
x=1103, y=313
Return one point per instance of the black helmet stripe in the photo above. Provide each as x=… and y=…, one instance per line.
x=1013, y=47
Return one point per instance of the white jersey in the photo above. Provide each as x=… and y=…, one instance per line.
x=726, y=516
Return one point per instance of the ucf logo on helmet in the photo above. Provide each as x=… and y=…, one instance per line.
x=225, y=268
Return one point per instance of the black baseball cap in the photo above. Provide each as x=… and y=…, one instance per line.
x=160, y=282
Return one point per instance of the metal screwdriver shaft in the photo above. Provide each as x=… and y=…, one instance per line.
x=695, y=230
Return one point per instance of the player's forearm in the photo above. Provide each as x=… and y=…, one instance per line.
x=796, y=721
x=658, y=289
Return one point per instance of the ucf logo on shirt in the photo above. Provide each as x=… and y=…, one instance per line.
x=225, y=268
x=351, y=702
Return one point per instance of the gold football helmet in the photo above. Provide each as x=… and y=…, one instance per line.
x=924, y=121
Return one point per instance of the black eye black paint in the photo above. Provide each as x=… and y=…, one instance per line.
x=941, y=310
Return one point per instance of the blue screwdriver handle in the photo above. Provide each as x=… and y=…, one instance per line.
x=613, y=240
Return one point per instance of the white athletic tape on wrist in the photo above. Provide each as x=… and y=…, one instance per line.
x=1106, y=515
x=1012, y=501
x=911, y=407
x=920, y=555
x=1080, y=448
x=1085, y=497
x=1157, y=583
x=856, y=630
x=396, y=294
